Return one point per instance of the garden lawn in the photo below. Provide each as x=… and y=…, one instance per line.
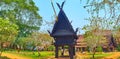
x=29, y=54
x=99, y=55
x=48, y=55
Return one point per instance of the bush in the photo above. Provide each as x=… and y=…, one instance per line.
x=51, y=48
x=99, y=49
x=118, y=47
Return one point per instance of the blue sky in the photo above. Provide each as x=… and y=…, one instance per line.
x=73, y=9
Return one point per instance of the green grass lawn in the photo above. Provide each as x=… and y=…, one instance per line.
x=43, y=54
x=99, y=55
x=47, y=54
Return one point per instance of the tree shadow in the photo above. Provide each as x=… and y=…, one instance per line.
x=65, y=57
x=4, y=57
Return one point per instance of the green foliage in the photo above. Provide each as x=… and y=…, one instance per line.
x=8, y=30
x=22, y=12
x=118, y=47
x=24, y=15
x=99, y=49
x=22, y=42
x=42, y=40
x=91, y=36
x=95, y=32
x=51, y=48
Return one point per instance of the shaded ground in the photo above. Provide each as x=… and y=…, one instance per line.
x=4, y=57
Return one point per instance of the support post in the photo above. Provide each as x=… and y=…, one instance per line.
x=56, y=51
x=71, y=51
x=63, y=50
x=74, y=50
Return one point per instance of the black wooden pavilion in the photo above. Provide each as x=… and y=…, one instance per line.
x=63, y=33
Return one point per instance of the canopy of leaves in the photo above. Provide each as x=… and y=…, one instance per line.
x=8, y=30
x=22, y=12
x=36, y=39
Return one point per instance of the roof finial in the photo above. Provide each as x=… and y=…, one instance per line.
x=61, y=5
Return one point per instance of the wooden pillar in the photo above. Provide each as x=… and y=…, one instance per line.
x=56, y=51
x=74, y=50
x=63, y=50
x=71, y=51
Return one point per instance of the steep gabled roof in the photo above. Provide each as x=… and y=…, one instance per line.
x=62, y=26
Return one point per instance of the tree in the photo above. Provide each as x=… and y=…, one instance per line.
x=104, y=15
x=94, y=34
x=106, y=9
x=94, y=41
x=23, y=13
x=42, y=39
x=8, y=31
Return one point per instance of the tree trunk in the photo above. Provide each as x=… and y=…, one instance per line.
x=94, y=51
x=38, y=49
x=33, y=50
x=1, y=47
x=38, y=53
x=18, y=49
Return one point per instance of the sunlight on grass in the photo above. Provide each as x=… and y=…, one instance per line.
x=48, y=54
x=34, y=55
x=100, y=55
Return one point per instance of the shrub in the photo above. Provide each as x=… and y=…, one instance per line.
x=51, y=48
x=118, y=47
x=99, y=49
